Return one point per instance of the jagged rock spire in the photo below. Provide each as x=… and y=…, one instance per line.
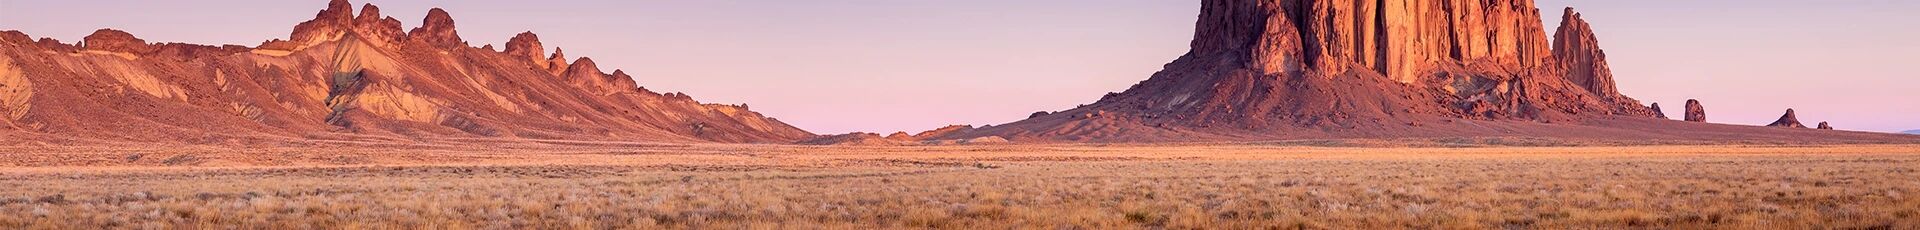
x=329, y=24
x=557, y=64
x=1579, y=51
x=377, y=29
x=437, y=30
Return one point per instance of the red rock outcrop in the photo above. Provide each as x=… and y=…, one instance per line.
x=901, y=136
x=1696, y=112
x=328, y=25
x=1574, y=44
x=425, y=88
x=379, y=30
x=557, y=64
x=1825, y=126
x=1787, y=120
x=14, y=37
x=1657, y=112
x=334, y=22
x=526, y=45
x=437, y=30
x=585, y=74
x=942, y=132
x=1262, y=69
x=116, y=41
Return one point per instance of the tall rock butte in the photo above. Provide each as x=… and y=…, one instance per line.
x=414, y=86
x=1266, y=69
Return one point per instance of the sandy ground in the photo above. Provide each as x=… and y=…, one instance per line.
x=1236, y=186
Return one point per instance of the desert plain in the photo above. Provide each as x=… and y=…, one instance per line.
x=1315, y=184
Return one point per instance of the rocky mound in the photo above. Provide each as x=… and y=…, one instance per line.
x=895, y=139
x=1825, y=126
x=344, y=77
x=1787, y=120
x=1657, y=112
x=1295, y=69
x=854, y=139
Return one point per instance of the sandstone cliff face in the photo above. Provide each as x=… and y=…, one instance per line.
x=420, y=86
x=1696, y=112
x=1404, y=40
x=1267, y=68
x=1787, y=120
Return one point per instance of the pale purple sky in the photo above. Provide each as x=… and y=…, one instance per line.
x=835, y=66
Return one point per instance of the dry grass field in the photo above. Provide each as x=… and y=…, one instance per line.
x=1227, y=186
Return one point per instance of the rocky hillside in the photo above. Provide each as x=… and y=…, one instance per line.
x=1296, y=69
x=346, y=76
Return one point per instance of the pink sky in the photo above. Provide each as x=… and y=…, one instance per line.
x=835, y=66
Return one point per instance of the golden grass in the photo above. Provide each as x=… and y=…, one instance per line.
x=990, y=187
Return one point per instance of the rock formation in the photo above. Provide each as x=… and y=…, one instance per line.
x=1695, y=112
x=1787, y=120
x=1825, y=126
x=405, y=87
x=901, y=136
x=942, y=131
x=1261, y=69
x=1657, y=112
x=557, y=64
x=437, y=30
x=526, y=45
x=329, y=24
x=1580, y=52
x=116, y=41
x=14, y=37
x=379, y=30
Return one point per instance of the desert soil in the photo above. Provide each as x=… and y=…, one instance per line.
x=1297, y=185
